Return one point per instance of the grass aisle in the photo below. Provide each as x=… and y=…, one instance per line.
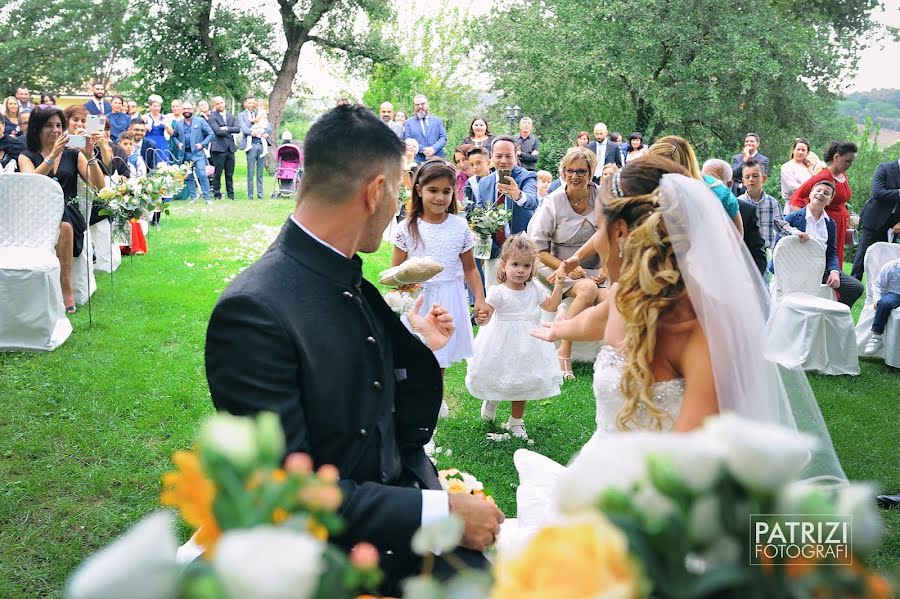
x=88, y=429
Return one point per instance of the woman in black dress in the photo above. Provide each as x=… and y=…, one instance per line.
x=47, y=155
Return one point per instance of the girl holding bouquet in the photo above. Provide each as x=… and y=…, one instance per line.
x=433, y=229
x=510, y=364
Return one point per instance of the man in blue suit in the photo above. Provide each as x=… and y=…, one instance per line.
x=98, y=105
x=518, y=194
x=426, y=129
x=194, y=136
x=812, y=223
x=143, y=147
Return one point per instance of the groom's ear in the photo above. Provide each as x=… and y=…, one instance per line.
x=372, y=192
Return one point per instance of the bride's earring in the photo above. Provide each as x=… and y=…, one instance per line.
x=620, y=250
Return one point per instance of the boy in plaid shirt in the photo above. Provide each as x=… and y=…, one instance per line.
x=767, y=208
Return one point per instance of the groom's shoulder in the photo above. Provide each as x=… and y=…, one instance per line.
x=274, y=279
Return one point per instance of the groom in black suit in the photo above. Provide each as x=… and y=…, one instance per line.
x=302, y=334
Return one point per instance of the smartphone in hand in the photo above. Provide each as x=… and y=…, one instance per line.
x=95, y=124
x=77, y=142
x=502, y=174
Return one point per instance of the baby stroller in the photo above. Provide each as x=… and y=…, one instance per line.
x=288, y=170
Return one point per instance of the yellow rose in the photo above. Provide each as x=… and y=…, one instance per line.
x=586, y=558
x=106, y=193
x=456, y=486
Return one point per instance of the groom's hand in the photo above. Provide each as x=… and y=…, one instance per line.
x=436, y=327
x=481, y=518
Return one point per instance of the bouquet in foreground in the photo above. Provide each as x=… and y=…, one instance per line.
x=263, y=526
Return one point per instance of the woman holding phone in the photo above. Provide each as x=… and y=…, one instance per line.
x=47, y=154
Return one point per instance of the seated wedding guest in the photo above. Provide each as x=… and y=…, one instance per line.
x=47, y=155
x=463, y=171
x=813, y=223
x=717, y=174
x=796, y=171
x=635, y=147
x=76, y=121
x=544, y=179
x=887, y=289
x=582, y=139
x=48, y=99
x=10, y=112
x=11, y=147
x=839, y=157
x=145, y=148
x=24, y=118
x=565, y=222
x=479, y=134
x=130, y=163
x=265, y=351
x=118, y=118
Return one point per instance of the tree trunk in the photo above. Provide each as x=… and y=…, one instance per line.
x=284, y=81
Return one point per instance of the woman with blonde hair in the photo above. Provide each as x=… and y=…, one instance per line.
x=10, y=112
x=678, y=150
x=566, y=221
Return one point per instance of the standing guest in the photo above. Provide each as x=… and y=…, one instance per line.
x=768, y=210
x=528, y=148
x=47, y=155
x=134, y=110
x=636, y=147
x=886, y=288
x=567, y=221
x=544, y=179
x=342, y=101
x=265, y=351
x=480, y=167
x=608, y=171
x=23, y=122
x=717, y=174
x=10, y=111
x=463, y=171
x=813, y=222
x=616, y=137
x=427, y=130
x=203, y=110
x=518, y=194
x=194, y=135
x=118, y=118
x=400, y=117
x=23, y=97
x=839, y=157
x=386, y=110
x=751, y=150
x=222, y=150
x=479, y=134
x=881, y=212
x=752, y=239
x=156, y=129
x=582, y=139
x=256, y=162
x=796, y=171
x=145, y=148
x=48, y=99
x=97, y=105
x=559, y=181
x=134, y=164
x=607, y=151
x=169, y=120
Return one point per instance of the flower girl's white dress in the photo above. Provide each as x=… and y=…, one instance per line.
x=510, y=364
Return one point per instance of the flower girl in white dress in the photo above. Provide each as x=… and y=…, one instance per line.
x=510, y=364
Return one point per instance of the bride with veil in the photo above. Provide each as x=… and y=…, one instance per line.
x=684, y=331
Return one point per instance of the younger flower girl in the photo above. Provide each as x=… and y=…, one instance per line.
x=510, y=364
x=433, y=229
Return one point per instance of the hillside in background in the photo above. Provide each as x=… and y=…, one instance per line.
x=881, y=105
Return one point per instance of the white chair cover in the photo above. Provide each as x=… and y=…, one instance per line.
x=32, y=316
x=876, y=257
x=84, y=284
x=108, y=254
x=806, y=330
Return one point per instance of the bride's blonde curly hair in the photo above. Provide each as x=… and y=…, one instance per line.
x=650, y=283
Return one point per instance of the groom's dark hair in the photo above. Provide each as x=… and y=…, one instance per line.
x=346, y=147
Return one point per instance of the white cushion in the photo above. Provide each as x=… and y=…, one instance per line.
x=24, y=258
x=806, y=300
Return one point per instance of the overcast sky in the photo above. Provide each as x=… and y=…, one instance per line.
x=877, y=66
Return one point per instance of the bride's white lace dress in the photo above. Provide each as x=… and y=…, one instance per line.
x=538, y=474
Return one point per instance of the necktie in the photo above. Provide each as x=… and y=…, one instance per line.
x=500, y=235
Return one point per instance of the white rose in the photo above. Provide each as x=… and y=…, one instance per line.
x=268, y=562
x=232, y=437
x=857, y=501
x=472, y=483
x=439, y=536
x=703, y=520
x=139, y=565
x=394, y=300
x=697, y=459
x=760, y=455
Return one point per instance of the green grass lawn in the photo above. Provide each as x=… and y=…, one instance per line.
x=88, y=429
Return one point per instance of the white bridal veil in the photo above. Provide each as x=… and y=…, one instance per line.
x=732, y=305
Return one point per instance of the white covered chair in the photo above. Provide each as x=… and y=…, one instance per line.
x=108, y=254
x=877, y=255
x=84, y=284
x=806, y=330
x=32, y=316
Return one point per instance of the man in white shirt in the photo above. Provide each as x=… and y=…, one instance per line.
x=301, y=333
x=606, y=150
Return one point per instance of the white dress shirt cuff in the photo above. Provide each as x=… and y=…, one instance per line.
x=435, y=506
x=522, y=199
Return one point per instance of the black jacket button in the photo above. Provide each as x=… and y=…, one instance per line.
x=377, y=386
x=347, y=295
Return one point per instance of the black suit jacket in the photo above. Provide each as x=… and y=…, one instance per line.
x=753, y=239
x=882, y=210
x=224, y=141
x=613, y=155
x=302, y=334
